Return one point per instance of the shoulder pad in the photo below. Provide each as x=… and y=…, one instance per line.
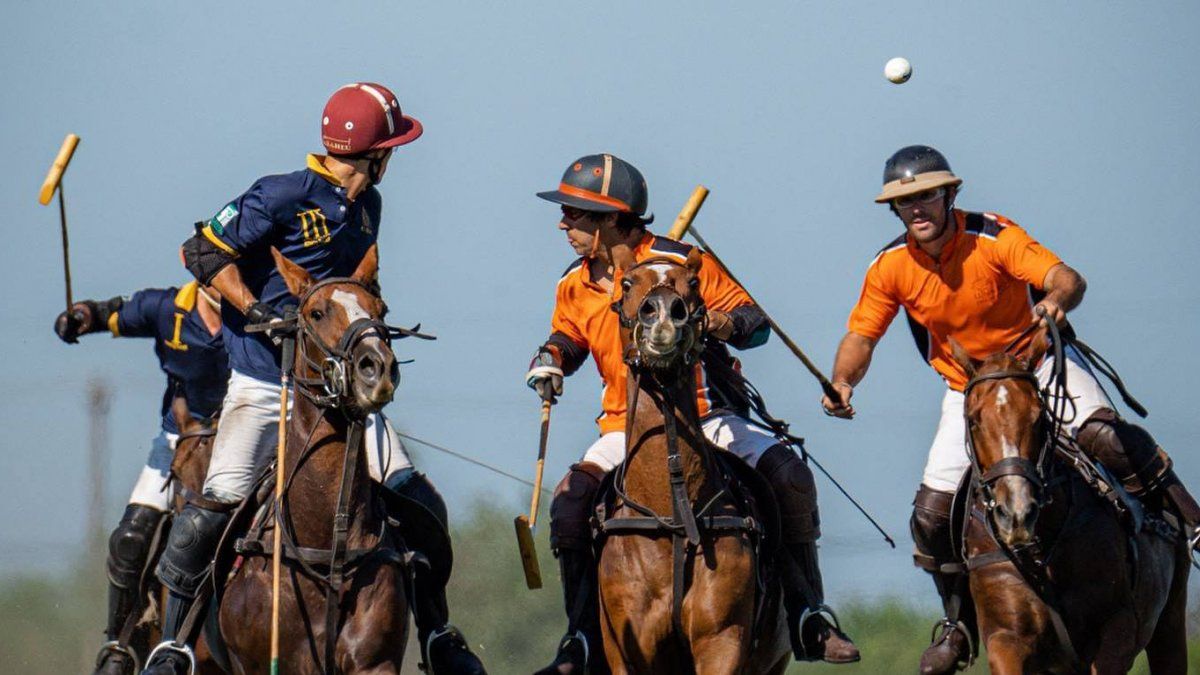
x=893, y=244
x=578, y=262
x=670, y=247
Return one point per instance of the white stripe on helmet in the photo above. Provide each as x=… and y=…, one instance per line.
x=387, y=109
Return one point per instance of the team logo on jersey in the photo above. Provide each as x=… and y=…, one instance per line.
x=226, y=216
x=313, y=227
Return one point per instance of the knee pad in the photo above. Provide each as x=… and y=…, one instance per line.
x=129, y=544
x=1129, y=451
x=930, y=526
x=795, y=491
x=190, y=548
x=416, y=486
x=571, y=508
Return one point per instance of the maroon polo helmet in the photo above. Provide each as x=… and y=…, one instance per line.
x=364, y=116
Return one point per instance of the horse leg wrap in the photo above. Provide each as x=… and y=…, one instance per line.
x=571, y=509
x=128, y=553
x=190, y=548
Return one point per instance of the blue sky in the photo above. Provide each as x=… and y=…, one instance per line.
x=1077, y=120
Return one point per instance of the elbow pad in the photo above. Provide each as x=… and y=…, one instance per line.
x=750, y=327
x=203, y=258
x=569, y=355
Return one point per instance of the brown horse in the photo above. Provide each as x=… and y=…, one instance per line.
x=351, y=616
x=1060, y=584
x=678, y=571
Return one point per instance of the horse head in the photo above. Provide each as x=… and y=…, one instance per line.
x=341, y=321
x=661, y=312
x=1006, y=436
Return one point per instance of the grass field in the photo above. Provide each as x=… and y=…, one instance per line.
x=53, y=626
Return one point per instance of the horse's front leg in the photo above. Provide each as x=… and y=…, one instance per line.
x=1008, y=652
x=635, y=603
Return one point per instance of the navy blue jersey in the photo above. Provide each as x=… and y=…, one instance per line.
x=194, y=359
x=307, y=217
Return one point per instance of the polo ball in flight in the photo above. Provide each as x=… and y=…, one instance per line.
x=898, y=70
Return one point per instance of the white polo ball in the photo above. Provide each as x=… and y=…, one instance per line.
x=898, y=70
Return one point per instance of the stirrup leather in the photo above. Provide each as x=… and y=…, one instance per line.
x=170, y=646
x=115, y=647
x=821, y=611
x=942, y=631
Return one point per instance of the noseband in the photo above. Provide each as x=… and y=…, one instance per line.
x=1033, y=471
x=694, y=322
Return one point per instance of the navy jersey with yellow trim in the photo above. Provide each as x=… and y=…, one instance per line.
x=194, y=359
x=304, y=214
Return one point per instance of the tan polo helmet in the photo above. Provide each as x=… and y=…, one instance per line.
x=914, y=169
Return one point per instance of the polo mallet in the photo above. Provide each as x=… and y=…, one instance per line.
x=826, y=385
x=53, y=183
x=525, y=526
x=289, y=346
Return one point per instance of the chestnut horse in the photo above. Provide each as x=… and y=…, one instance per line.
x=1060, y=584
x=678, y=571
x=343, y=604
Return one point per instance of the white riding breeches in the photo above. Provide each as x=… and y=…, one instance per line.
x=153, y=488
x=248, y=433
x=728, y=432
x=948, y=458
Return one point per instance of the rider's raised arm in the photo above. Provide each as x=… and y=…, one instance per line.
x=733, y=316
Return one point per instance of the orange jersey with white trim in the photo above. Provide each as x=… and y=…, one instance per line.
x=583, y=312
x=977, y=292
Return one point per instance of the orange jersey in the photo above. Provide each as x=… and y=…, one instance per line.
x=583, y=313
x=978, y=292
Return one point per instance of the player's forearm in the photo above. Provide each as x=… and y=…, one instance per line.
x=1065, y=287
x=853, y=358
x=229, y=284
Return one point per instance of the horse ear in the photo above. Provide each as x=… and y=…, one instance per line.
x=296, y=278
x=183, y=416
x=964, y=359
x=694, y=260
x=368, y=267
x=1038, y=346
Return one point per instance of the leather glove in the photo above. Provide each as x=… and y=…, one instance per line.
x=70, y=325
x=720, y=325
x=261, y=312
x=545, y=376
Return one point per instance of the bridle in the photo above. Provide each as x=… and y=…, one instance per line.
x=694, y=324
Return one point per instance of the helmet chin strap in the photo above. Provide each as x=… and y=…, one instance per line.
x=375, y=170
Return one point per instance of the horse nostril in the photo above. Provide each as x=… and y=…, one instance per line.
x=368, y=367
x=647, y=311
x=678, y=309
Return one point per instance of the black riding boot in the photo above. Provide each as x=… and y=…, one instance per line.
x=183, y=566
x=413, y=501
x=128, y=551
x=1144, y=469
x=813, y=627
x=582, y=648
x=955, y=637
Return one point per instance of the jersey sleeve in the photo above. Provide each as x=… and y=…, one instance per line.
x=876, y=306
x=718, y=289
x=244, y=223
x=563, y=320
x=1021, y=255
x=138, y=317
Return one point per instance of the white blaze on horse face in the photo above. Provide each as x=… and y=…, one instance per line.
x=354, y=311
x=1007, y=448
x=661, y=269
x=1001, y=396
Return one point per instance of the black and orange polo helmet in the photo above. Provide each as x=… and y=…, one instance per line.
x=604, y=183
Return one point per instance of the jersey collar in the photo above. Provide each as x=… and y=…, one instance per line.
x=316, y=166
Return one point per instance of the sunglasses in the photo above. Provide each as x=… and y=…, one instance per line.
x=923, y=198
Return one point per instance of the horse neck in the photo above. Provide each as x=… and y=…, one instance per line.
x=647, y=479
x=313, y=495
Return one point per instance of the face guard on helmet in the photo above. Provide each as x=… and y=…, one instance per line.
x=602, y=183
x=915, y=169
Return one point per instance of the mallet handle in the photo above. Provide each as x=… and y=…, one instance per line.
x=684, y=220
x=54, y=176
x=543, y=441
x=826, y=385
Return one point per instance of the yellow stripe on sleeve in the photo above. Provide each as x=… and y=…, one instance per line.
x=112, y=324
x=211, y=236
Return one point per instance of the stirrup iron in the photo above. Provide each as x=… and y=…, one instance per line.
x=954, y=626
x=171, y=646
x=823, y=611
x=115, y=647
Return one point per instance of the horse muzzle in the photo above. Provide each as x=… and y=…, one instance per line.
x=1016, y=511
x=373, y=376
x=662, y=334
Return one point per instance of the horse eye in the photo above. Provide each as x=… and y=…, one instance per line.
x=316, y=315
x=626, y=284
x=694, y=282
